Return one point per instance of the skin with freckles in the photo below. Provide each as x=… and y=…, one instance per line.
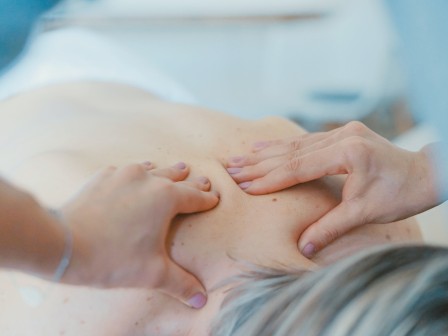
x=384, y=182
x=55, y=138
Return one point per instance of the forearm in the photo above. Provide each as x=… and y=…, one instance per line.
x=426, y=177
x=31, y=239
x=117, y=228
x=422, y=28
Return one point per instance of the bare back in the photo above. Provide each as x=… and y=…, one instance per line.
x=53, y=139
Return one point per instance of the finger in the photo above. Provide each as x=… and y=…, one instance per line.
x=263, y=150
x=322, y=142
x=272, y=149
x=183, y=286
x=250, y=173
x=180, y=198
x=252, y=159
x=148, y=165
x=312, y=141
x=189, y=199
x=132, y=172
x=305, y=140
x=258, y=165
x=331, y=226
x=327, y=161
x=284, y=156
x=200, y=183
x=176, y=173
x=260, y=145
x=305, y=143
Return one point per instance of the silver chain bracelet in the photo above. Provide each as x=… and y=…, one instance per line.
x=68, y=248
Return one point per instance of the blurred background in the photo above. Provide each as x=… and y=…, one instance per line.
x=321, y=63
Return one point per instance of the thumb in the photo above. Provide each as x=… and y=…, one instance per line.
x=331, y=226
x=183, y=286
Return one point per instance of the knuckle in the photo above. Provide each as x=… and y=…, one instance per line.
x=329, y=235
x=356, y=128
x=293, y=164
x=357, y=149
x=293, y=155
x=134, y=171
x=295, y=145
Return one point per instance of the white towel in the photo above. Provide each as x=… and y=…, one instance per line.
x=75, y=54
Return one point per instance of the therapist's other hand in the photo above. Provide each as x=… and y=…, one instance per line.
x=384, y=183
x=120, y=221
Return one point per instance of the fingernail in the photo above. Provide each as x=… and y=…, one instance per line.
x=198, y=301
x=147, y=163
x=236, y=159
x=234, y=170
x=245, y=185
x=180, y=165
x=203, y=180
x=260, y=144
x=309, y=250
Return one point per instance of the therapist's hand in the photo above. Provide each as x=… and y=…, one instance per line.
x=120, y=221
x=384, y=183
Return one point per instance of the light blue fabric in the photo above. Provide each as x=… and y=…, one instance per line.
x=422, y=26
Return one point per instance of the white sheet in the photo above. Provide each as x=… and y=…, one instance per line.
x=77, y=54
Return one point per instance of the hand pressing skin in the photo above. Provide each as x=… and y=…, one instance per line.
x=384, y=183
x=120, y=221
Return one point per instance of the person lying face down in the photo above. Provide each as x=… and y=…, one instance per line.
x=54, y=138
x=386, y=291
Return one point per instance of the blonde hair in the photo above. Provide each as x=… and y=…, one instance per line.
x=391, y=291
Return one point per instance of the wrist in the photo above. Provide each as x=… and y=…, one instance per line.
x=53, y=244
x=78, y=271
x=36, y=239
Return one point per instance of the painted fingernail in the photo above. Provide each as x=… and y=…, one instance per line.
x=203, y=180
x=234, y=170
x=236, y=159
x=180, y=165
x=245, y=185
x=309, y=250
x=198, y=301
